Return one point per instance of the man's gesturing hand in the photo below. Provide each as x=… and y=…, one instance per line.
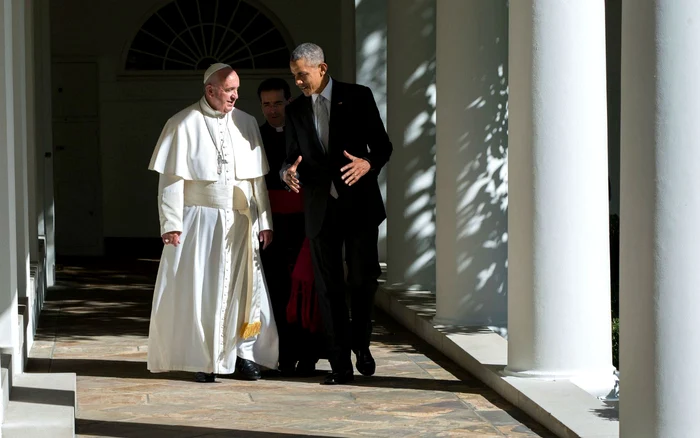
x=357, y=168
x=172, y=238
x=291, y=177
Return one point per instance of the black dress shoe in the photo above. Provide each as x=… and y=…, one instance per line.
x=365, y=362
x=246, y=370
x=306, y=368
x=339, y=378
x=201, y=377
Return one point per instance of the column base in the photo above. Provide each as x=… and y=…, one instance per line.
x=603, y=384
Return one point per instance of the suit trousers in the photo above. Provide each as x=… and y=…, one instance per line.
x=362, y=259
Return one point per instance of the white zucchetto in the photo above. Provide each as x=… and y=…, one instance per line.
x=213, y=69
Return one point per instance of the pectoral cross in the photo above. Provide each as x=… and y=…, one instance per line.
x=219, y=163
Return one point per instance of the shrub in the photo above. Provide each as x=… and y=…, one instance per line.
x=615, y=265
x=615, y=286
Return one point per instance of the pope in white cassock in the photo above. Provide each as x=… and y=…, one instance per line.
x=211, y=310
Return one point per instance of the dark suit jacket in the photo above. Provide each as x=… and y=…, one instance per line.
x=274, y=144
x=356, y=127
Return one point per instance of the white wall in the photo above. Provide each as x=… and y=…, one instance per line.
x=133, y=108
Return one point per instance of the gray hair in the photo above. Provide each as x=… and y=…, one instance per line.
x=312, y=53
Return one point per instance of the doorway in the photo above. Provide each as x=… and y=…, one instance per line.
x=76, y=147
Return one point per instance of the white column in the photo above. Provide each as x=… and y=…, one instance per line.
x=44, y=129
x=660, y=213
x=32, y=160
x=613, y=18
x=8, y=228
x=559, y=272
x=370, y=65
x=20, y=120
x=38, y=5
x=410, y=197
x=472, y=199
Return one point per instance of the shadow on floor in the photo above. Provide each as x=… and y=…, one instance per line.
x=98, y=297
x=112, y=298
x=119, y=429
x=42, y=396
x=610, y=412
x=137, y=369
x=102, y=368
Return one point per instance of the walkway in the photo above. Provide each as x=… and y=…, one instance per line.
x=95, y=324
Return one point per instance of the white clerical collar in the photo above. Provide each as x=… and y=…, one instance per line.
x=208, y=110
x=327, y=92
x=279, y=128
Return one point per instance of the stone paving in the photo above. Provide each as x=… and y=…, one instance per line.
x=95, y=323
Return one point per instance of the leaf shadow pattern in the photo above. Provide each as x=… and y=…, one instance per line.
x=97, y=297
x=610, y=412
x=371, y=71
x=412, y=112
x=480, y=167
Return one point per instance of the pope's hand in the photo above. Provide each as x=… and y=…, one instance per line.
x=291, y=177
x=266, y=238
x=171, y=238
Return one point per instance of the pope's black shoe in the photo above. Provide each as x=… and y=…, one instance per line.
x=365, y=362
x=339, y=378
x=201, y=377
x=246, y=369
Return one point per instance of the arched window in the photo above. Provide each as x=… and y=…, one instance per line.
x=193, y=34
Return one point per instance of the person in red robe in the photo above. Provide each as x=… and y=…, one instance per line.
x=287, y=263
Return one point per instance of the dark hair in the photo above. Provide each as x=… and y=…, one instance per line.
x=273, y=84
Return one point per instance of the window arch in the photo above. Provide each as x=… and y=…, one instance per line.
x=193, y=34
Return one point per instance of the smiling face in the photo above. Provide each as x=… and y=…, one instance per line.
x=311, y=79
x=222, y=90
x=273, y=103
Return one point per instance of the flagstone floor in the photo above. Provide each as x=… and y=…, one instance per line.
x=95, y=324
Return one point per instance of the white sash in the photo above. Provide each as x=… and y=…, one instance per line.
x=234, y=197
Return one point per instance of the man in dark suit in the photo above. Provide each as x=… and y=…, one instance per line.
x=336, y=146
